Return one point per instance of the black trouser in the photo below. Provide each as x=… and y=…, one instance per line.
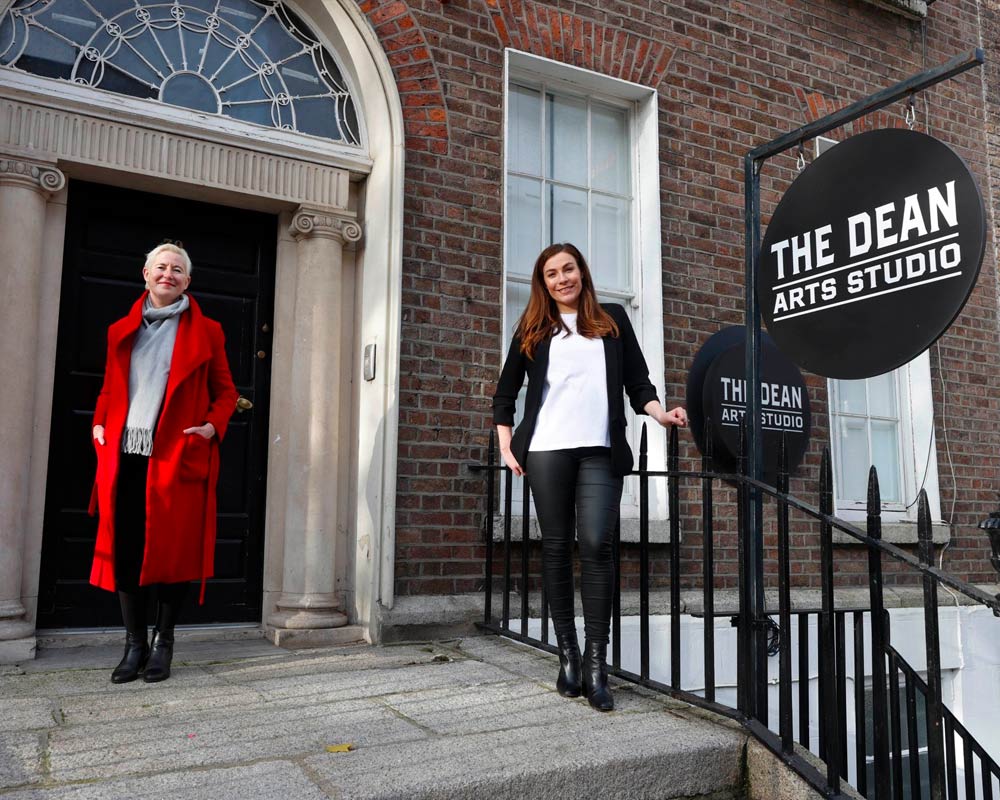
x=130, y=535
x=577, y=489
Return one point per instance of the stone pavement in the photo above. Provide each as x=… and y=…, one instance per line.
x=476, y=717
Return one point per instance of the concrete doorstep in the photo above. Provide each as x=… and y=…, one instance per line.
x=243, y=719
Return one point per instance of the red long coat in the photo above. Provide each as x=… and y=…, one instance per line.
x=183, y=468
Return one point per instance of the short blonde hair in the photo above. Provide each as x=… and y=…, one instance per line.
x=169, y=247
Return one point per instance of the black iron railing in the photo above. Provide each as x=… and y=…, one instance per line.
x=907, y=744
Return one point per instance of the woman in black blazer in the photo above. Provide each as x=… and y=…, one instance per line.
x=579, y=357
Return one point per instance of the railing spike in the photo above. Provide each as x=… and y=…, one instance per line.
x=924, y=529
x=874, y=499
x=827, y=636
x=826, y=483
x=490, y=499
x=880, y=642
x=643, y=557
x=932, y=640
x=674, y=512
x=708, y=564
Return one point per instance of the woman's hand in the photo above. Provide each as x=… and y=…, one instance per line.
x=99, y=434
x=675, y=416
x=206, y=431
x=505, y=434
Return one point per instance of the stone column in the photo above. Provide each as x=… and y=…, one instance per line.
x=307, y=606
x=25, y=188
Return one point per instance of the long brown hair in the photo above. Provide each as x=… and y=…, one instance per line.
x=541, y=316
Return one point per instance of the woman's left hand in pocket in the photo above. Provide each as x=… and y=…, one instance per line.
x=206, y=431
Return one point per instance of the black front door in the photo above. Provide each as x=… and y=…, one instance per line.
x=108, y=231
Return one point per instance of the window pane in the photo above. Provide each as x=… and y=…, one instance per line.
x=569, y=217
x=609, y=168
x=610, y=251
x=567, y=139
x=248, y=60
x=525, y=140
x=48, y=55
x=882, y=395
x=524, y=223
x=517, y=300
x=853, y=462
x=851, y=397
x=885, y=456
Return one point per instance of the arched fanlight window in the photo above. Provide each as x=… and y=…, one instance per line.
x=252, y=60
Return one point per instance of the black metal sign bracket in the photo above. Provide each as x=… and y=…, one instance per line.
x=752, y=593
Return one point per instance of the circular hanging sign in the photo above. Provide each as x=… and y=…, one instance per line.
x=716, y=393
x=871, y=254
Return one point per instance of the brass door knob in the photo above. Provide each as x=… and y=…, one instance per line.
x=242, y=404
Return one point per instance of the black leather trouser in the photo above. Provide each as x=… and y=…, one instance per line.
x=576, y=489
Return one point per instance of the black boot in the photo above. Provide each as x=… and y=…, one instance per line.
x=160, y=657
x=136, y=645
x=170, y=599
x=595, y=676
x=568, y=682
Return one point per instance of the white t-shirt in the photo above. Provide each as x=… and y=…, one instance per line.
x=574, y=410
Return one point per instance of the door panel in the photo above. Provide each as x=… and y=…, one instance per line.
x=108, y=231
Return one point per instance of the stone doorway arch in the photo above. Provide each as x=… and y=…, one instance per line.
x=332, y=454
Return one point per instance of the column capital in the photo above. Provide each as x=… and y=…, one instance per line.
x=43, y=178
x=310, y=221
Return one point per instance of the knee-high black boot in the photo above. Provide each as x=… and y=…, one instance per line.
x=136, y=644
x=595, y=676
x=168, y=608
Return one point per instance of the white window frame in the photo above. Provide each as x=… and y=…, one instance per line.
x=647, y=279
x=918, y=447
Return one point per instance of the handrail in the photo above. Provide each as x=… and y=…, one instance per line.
x=891, y=550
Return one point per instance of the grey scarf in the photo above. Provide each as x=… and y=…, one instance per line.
x=148, y=371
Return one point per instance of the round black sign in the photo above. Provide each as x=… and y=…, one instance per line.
x=716, y=393
x=871, y=254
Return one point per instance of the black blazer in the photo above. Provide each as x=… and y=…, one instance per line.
x=626, y=370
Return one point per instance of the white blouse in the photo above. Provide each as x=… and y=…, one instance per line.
x=574, y=410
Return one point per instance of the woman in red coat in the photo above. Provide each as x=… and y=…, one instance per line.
x=163, y=409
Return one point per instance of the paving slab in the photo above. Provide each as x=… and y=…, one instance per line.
x=603, y=756
x=26, y=713
x=21, y=758
x=268, y=779
x=209, y=739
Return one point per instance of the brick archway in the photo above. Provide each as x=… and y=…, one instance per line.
x=425, y=117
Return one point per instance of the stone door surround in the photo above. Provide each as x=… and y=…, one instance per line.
x=44, y=140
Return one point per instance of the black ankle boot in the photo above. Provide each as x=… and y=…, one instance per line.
x=170, y=599
x=160, y=656
x=136, y=653
x=568, y=684
x=136, y=645
x=595, y=676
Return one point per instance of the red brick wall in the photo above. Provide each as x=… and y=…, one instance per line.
x=729, y=77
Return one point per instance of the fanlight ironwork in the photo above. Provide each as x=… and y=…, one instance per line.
x=253, y=61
